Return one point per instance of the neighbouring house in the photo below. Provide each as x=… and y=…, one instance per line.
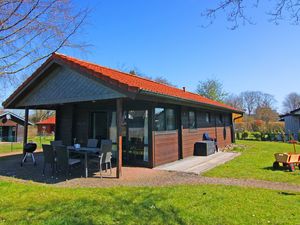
x=11, y=127
x=292, y=123
x=47, y=126
x=148, y=122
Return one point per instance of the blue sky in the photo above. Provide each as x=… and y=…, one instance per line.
x=165, y=38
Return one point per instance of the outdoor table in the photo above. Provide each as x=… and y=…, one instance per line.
x=84, y=151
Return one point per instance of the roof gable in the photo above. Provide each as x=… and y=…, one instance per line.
x=129, y=82
x=13, y=117
x=64, y=85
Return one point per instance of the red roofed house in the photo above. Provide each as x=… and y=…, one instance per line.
x=148, y=122
x=46, y=127
x=11, y=127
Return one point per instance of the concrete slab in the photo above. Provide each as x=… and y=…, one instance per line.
x=199, y=164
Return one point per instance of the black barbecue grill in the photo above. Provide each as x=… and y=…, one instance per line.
x=29, y=148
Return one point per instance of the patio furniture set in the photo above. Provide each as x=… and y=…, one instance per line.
x=62, y=158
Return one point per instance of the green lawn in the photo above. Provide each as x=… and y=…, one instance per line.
x=256, y=162
x=17, y=147
x=203, y=204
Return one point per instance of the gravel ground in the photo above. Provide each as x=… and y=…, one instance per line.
x=10, y=169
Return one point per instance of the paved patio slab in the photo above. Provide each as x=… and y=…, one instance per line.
x=199, y=164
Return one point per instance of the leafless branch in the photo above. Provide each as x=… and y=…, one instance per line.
x=31, y=30
x=235, y=11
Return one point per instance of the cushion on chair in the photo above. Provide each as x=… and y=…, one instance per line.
x=74, y=161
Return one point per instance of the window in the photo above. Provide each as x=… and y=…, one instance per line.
x=185, y=119
x=99, y=125
x=207, y=117
x=159, y=119
x=192, y=120
x=164, y=119
x=221, y=118
x=137, y=125
x=170, y=119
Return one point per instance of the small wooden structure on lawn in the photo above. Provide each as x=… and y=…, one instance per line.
x=47, y=126
x=289, y=160
x=292, y=123
x=11, y=127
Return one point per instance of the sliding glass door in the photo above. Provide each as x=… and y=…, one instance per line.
x=135, y=148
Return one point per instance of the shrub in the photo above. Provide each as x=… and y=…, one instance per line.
x=238, y=135
x=245, y=134
x=271, y=136
x=257, y=135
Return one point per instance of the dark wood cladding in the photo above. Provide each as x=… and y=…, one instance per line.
x=65, y=117
x=224, y=136
x=165, y=147
x=191, y=136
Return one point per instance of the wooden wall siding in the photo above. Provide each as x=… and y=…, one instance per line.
x=191, y=136
x=65, y=117
x=82, y=125
x=165, y=147
x=292, y=124
x=64, y=85
x=223, y=142
x=20, y=133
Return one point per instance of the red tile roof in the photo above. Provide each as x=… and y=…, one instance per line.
x=130, y=82
x=50, y=120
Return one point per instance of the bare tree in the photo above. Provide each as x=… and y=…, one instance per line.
x=163, y=80
x=251, y=100
x=159, y=79
x=235, y=101
x=266, y=114
x=236, y=11
x=31, y=30
x=39, y=115
x=266, y=100
x=291, y=102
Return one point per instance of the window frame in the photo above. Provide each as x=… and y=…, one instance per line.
x=165, y=119
x=208, y=117
x=189, y=119
x=221, y=118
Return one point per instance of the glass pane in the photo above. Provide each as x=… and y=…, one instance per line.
x=207, y=117
x=221, y=118
x=170, y=119
x=99, y=125
x=185, y=119
x=159, y=119
x=192, y=119
x=137, y=135
x=113, y=127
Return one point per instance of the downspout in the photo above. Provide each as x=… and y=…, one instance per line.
x=216, y=130
x=233, y=127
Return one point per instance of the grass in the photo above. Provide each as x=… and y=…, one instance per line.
x=18, y=147
x=205, y=204
x=256, y=162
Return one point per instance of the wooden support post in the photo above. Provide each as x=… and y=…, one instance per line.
x=25, y=128
x=119, y=136
x=57, y=123
x=180, y=130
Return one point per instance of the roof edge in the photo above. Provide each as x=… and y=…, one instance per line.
x=191, y=101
